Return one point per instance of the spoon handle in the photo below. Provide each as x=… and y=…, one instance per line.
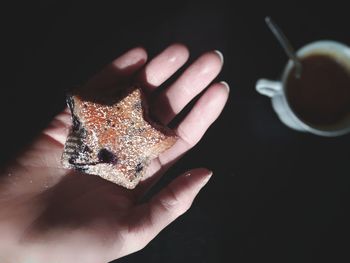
x=283, y=40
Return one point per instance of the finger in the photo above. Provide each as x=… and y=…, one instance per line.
x=191, y=129
x=121, y=69
x=196, y=78
x=204, y=113
x=59, y=127
x=163, y=66
x=174, y=200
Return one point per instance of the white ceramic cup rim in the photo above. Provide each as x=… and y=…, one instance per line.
x=318, y=47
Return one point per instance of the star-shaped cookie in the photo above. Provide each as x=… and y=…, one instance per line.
x=115, y=140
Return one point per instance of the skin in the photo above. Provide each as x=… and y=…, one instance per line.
x=50, y=214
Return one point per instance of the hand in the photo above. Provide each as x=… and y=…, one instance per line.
x=50, y=214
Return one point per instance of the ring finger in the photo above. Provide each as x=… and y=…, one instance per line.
x=195, y=79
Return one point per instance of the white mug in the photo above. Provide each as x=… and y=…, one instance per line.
x=276, y=89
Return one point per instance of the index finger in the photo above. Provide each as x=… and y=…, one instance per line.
x=119, y=70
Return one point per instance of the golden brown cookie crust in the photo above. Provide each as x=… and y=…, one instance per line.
x=117, y=141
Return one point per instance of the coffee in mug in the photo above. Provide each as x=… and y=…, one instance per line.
x=319, y=100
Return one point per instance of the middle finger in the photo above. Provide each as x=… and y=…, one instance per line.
x=195, y=78
x=163, y=66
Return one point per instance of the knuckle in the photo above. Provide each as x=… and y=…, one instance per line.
x=190, y=142
x=170, y=199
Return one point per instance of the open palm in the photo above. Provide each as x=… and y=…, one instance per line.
x=51, y=214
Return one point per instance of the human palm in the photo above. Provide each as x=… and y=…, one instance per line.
x=51, y=214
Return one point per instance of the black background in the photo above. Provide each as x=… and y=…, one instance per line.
x=276, y=195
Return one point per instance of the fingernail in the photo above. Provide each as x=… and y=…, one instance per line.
x=220, y=55
x=207, y=178
x=226, y=85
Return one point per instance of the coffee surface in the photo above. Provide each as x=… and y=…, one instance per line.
x=321, y=96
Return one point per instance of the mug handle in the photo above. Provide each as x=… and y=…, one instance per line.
x=268, y=87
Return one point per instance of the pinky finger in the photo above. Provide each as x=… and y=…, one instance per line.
x=206, y=110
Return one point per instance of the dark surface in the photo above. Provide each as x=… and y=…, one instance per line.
x=276, y=196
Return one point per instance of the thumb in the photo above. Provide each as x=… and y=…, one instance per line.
x=173, y=201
